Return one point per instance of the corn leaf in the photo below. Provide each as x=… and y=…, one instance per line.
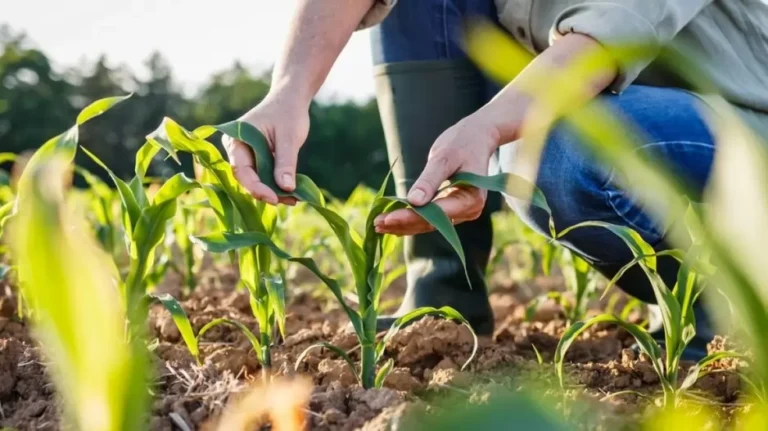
x=225, y=242
x=174, y=187
x=306, y=190
x=182, y=322
x=435, y=216
x=209, y=157
x=239, y=325
x=128, y=199
x=99, y=107
x=276, y=293
x=508, y=184
x=696, y=371
x=445, y=312
x=144, y=157
x=647, y=344
x=383, y=372
x=634, y=241
x=675, y=253
x=100, y=378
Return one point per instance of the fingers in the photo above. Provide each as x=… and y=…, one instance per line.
x=459, y=205
x=241, y=159
x=439, y=167
x=286, y=154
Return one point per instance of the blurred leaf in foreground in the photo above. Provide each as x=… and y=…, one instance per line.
x=75, y=307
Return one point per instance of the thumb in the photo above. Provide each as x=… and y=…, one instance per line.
x=438, y=169
x=286, y=154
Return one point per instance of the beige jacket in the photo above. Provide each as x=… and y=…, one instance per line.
x=730, y=37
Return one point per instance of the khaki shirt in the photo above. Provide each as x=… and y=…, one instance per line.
x=730, y=38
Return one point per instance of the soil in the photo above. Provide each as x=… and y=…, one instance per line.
x=428, y=357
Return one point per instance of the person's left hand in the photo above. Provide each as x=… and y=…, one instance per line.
x=467, y=147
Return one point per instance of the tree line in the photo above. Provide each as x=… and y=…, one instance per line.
x=345, y=146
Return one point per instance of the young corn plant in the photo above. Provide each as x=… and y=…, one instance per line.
x=184, y=225
x=580, y=281
x=102, y=198
x=676, y=303
x=238, y=214
x=101, y=379
x=144, y=224
x=191, y=339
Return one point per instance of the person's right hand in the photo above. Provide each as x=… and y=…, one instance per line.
x=284, y=122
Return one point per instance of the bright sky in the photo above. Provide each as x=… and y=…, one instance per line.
x=197, y=37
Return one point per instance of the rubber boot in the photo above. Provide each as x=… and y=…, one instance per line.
x=635, y=282
x=418, y=101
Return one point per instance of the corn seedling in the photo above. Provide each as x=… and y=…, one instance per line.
x=238, y=214
x=580, y=282
x=185, y=224
x=676, y=310
x=102, y=197
x=101, y=378
x=144, y=224
x=192, y=340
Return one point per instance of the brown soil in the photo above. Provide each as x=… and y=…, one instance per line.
x=427, y=355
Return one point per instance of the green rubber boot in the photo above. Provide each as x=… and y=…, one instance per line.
x=418, y=101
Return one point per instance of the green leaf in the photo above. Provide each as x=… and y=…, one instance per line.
x=445, y=312
x=644, y=340
x=99, y=107
x=225, y=242
x=159, y=138
x=65, y=272
x=239, y=325
x=144, y=157
x=221, y=205
x=539, y=359
x=383, y=372
x=435, y=216
x=137, y=187
x=182, y=322
x=508, y=184
x=176, y=186
x=696, y=371
x=332, y=348
x=130, y=205
x=306, y=190
x=208, y=156
x=634, y=241
x=677, y=254
x=276, y=292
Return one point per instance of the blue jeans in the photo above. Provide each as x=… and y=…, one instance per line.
x=577, y=187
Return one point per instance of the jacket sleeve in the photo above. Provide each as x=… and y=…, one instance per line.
x=377, y=13
x=625, y=23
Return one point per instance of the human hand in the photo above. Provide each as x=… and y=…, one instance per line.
x=467, y=147
x=284, y=122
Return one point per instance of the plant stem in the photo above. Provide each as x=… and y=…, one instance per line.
x=266, y=358
x=134, y=288
x=368, y=365
x=670, y=395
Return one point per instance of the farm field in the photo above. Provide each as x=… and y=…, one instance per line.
x=147, y=296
